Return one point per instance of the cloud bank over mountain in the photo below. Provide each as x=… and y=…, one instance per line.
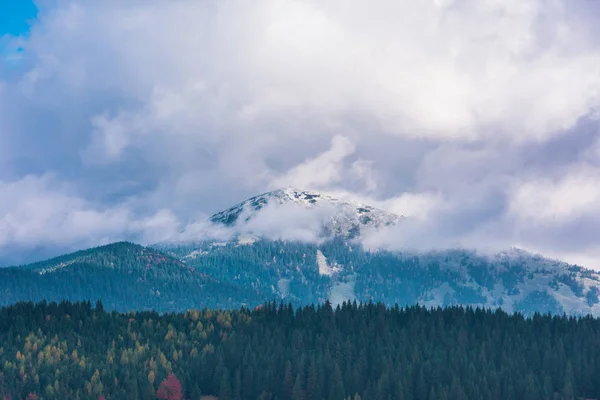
x=128, y=119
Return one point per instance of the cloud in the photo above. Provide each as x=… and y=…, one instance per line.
x=287, y=222
x=548, y=202
x=132, y=118
x=418, y=206
x=38, y=210
x=322, y=171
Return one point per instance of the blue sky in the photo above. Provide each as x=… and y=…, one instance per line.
x=16, y=16
x=132, y=118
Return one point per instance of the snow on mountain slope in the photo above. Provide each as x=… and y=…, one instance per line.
x=340, y=218
x=514, y=280
x=324, y=267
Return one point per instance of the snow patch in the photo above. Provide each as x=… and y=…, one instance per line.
x=436, y=296
x=57, y=267
x=246, y=239
x=340, y=292
x=284, y=287
x=194, y=254
x=324, y=268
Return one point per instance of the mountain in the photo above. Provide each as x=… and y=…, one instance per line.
x=123, y=275
x=249, y=269
x=339, y=218
x=338, y=271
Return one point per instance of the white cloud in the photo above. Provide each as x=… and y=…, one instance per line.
x=415, y=205
x=552, y=202
x=434, y=70
x=465, y=115
x=287, y=221
x=321, y=171
x=363, y=171
x=38, y=210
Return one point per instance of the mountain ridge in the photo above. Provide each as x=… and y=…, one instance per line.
x=146, y=254
x=248, y=269
x=341, y=218
x=124, y=275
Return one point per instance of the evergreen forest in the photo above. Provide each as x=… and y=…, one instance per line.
x=354, y=351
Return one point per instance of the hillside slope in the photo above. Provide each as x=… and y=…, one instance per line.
x=339, y=271
x=124, y=275
x=237, y=273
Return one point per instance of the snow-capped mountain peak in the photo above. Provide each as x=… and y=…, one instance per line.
x=340, y=218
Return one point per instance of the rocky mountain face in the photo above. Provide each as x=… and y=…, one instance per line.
x=248, y=269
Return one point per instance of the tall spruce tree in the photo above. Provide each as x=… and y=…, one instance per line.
x=336, y=391
x=225, y=392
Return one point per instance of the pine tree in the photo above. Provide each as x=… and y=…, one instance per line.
x=288, y=381
x=567, y=392
x=225, y=389
x=297, y=392
x=237, y=386
x=312, y=392
x=336, y=391
x=548, y=388
x=531, y=391
x=456, y=390
x=568, y=379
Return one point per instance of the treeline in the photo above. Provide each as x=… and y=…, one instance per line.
x=356, y=351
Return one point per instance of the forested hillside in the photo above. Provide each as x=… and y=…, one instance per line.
x=249, y=271
x=338, y=270
x=367, y=351
x=125, y=276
